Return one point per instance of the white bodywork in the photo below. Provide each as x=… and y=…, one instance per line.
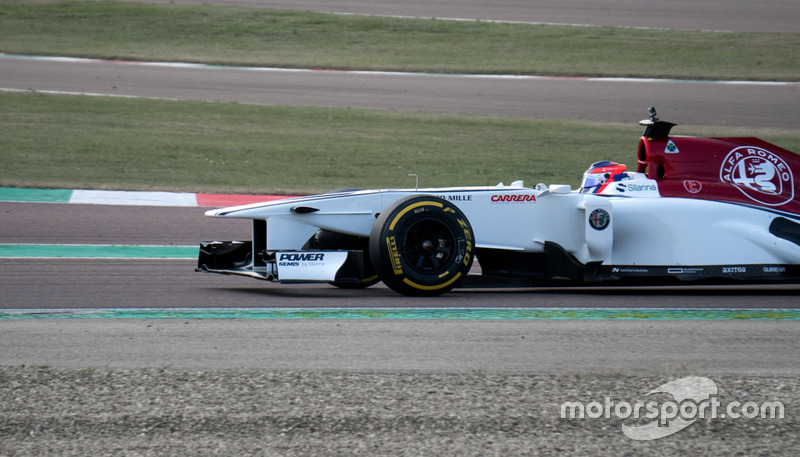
x=703, y=210
x=643, y=228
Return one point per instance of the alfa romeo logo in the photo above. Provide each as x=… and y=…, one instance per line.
x=759, y=174
x=599, y=219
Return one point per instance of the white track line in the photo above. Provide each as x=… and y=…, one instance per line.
x=369, y=73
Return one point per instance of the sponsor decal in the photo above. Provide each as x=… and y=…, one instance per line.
x=671, y=148
x=293, y=259
x=759, y=174
x=599, y=219
x=734, y=269
x=685, y=271
x=456, y=197
x=622, y=187
x=693, y=187
x=309, y=266
x=304, y=257
x=519, y=198
x=630, y=270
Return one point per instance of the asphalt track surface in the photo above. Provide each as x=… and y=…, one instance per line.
x=684, y=102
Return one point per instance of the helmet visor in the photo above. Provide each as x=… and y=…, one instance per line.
x=593, y=179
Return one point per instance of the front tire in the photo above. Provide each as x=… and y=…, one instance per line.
x=422, y=246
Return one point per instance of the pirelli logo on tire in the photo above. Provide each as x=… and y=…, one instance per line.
x=394, y=255
x=468, y=237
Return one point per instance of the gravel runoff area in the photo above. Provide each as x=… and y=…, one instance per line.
x=121, y=412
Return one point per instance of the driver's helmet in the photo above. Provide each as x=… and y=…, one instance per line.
x=600, y=174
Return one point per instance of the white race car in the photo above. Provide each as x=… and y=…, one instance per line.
x=696, y=210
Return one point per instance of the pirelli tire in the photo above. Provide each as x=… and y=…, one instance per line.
x=422, y=246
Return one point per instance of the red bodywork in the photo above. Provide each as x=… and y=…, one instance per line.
x=738, y=170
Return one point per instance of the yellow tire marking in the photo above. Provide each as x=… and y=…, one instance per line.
x=409, y=208
x=436, y=287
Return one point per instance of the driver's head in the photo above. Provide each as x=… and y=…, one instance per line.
x=599, y=175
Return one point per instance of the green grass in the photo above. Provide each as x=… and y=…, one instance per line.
x=106, y=143
x=59, y=141
x=263, y=37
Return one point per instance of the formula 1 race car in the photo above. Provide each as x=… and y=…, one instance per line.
x=696, y=210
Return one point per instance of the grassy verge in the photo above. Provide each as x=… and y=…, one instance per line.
x=137, y=144
x=243, y=36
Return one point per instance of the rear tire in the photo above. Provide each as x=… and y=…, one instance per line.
x=421, y=246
